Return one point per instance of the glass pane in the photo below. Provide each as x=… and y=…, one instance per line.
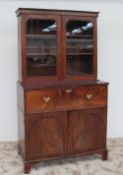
x=41, y=51
x=79, y=47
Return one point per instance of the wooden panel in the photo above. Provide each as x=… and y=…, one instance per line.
x=64, y=99
x=20, y=96
x=19, y=49
x=46, y=135
x=21, y=131
x=87, y=130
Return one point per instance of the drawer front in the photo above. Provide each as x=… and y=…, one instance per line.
x=64, y=99
x=42, y=100
x=91, y=96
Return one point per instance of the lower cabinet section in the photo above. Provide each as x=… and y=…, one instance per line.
x=46, y=135
x=87, y=130
x=54, y=134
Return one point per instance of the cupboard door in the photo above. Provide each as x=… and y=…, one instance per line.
x=87, y=129
x=79, y=47
x=46, y=135
x=43, y=46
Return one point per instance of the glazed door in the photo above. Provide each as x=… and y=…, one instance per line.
x=79, y=43
x=87, y=129
x=43, y=47
x=46, y=135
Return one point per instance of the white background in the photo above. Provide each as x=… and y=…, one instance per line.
x=110, y=58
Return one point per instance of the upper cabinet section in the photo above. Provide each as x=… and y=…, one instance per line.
x=57, y=45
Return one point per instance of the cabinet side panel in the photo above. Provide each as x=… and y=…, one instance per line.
x=19, y=49
x=21, y=132
x=20, y=96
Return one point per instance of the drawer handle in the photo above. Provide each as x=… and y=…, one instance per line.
x=46, y=99
x=68, y=91
x=89, y=96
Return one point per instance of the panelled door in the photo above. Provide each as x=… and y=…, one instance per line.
x=87, y=130
x=47, y=134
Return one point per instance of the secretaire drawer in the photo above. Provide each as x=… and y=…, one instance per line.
x=91, y=96
x=42, y=100
x=66, y=98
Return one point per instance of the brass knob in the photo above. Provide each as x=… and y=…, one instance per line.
x=46, y=99
x=89, y=96
x=68, y=91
